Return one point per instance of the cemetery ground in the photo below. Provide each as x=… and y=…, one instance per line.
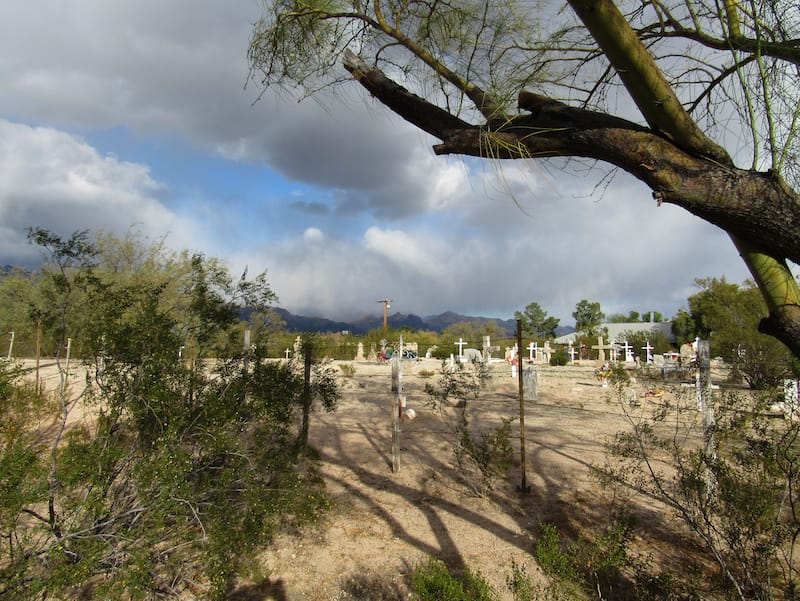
x=383, y=523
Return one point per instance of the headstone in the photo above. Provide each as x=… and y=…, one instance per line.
x=472, y=355
x=571, y=352
x=628, y=351
x=360, y=352
x=613, y=351
x=533, y=351
x=529, y=382
x=373, y=356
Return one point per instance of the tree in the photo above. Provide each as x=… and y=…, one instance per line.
x=535, y=322
x=187, y=470
x=588, y=317
x=727, y=315
x=699, y=72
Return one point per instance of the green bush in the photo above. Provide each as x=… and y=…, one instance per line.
x=559, y=357
x=433, y=581
x=594, y=565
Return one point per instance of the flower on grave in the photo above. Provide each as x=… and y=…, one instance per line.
x=603, y=372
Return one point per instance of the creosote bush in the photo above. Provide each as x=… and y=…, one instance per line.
x=433, y=581
x=733, y=484
x=481, y=456
x=190, y=465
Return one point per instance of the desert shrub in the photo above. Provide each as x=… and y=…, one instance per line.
x=189, y=468
x=735, y=486
x=433, y=581
x=519, y=583
x=592, y=564
x=559, y=357
x=481, y=456
x=426, y=373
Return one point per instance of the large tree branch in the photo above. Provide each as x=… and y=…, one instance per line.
x=756, y=207
x=758, y=210
x=642, y=78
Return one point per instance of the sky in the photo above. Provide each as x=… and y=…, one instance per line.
x=138, y=115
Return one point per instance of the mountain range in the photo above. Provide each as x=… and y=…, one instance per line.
x=362, y=325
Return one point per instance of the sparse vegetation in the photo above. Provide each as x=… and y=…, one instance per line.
x=481, y=456
x=433, y=581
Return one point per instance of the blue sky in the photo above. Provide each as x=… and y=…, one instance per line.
x=135, y=113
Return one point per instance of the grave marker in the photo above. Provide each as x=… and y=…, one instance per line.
x=488, y=349
x=648, y=357
x=601, y=349
x=460, y=344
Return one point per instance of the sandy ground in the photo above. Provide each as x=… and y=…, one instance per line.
x=384, y=522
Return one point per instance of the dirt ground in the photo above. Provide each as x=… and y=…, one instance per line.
x=383, y=523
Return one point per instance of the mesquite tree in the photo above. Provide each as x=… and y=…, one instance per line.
x=713, y=81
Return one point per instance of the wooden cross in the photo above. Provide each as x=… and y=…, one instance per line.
x=601, y=349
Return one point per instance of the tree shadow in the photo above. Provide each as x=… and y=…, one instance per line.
x=562, y=445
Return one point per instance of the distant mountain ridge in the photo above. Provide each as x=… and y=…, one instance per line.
x=362, y=325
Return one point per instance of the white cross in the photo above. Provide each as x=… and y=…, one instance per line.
x=628, y=348
x=460, y=344
x=532, y=348
x=647, y=348
x=286, y=352
x=571, y=353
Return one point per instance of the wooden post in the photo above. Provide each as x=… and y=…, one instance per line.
x=246, y=349
x=11, y=344
x=705, y=402
x=65, y=373
x=306, y=347
x=38, y=353
x=523, y=487
x=398, y=401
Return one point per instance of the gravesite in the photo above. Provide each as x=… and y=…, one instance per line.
x=165, y=433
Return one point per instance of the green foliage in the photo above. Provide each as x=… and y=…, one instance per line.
x=593, y=565
x=588, y=317
x=481, y=456
x=729, y=315
x=559, y=357
x=190, y=466
x=535, y=323
x=735, y=493
x=519, y=583
x=433, y=581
